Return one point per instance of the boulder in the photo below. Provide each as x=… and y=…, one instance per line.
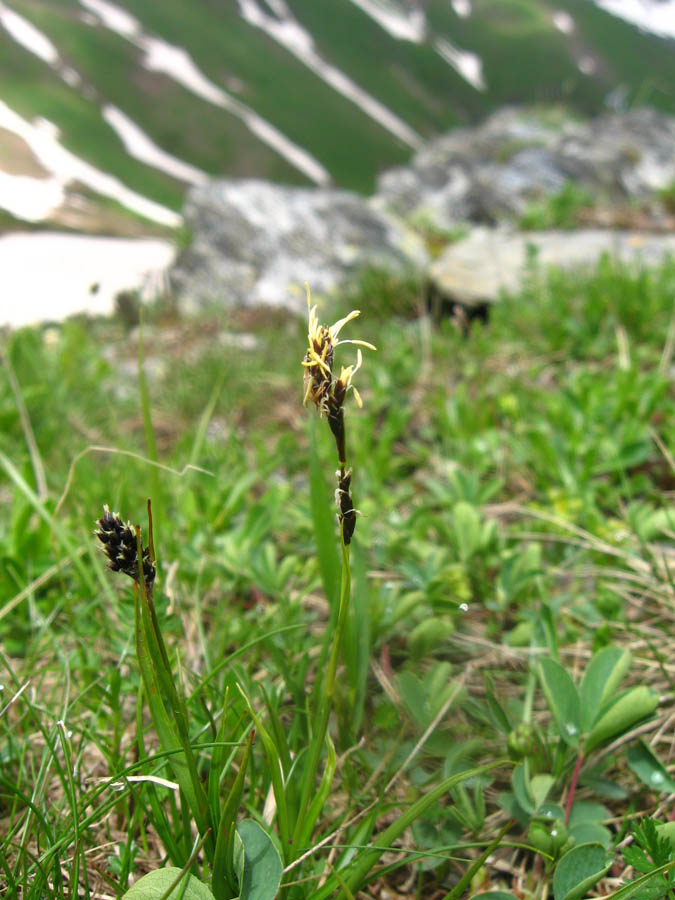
x=255, y=243
x=516, y=157
x=474, y=271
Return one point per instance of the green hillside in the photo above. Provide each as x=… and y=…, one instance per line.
x=525, y=59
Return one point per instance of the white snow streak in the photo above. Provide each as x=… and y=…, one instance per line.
x=138, y=144
x=657, y=16
x=411, y=27
x=469, y=65
x=42, y=138
x=114, y=17
x=298, y=41
x=177, y=64
x=26, y=34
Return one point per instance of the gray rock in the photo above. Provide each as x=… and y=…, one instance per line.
x=494, y=171
x=255, y=243
x=476, y=270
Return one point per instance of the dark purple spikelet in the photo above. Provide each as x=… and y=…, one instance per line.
x=119, y=544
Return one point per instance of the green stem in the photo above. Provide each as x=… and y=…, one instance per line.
x=325, y=703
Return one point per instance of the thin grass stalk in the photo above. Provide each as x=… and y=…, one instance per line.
x=175, y=695
x=223, y=876
x=150, y=441
x=276, y=774
x=322, y=793
x=57, y=530
x=218, y=759
x=159, y=818
x=325, y=706
x=171, y=732
x=630, y=890
x=366, y=859
x=466, y=879
x=72, y=800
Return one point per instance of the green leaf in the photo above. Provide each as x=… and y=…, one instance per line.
x=156, y=884
x=467, y=526
x=649, y=769
x=562, y=698
x=262, y=867
x=521, y=789
x=590, y=832
x=428, y=635
x=666, y=830
x=603, y=676
x=603, y=787
x=630, y=708
x=540, y=785
x=494, y=895
x=630, y=890
x=588, y=811
x=578, y=870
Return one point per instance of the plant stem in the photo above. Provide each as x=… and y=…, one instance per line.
x=573, y=785
x=325, y=702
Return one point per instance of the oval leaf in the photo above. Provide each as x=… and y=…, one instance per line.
x=494, y=895
x=262, y=863
x=603, y=676
x=579, y=869
x=562, y=698
x=648, y=769
x=156, y=884
x=631, y=707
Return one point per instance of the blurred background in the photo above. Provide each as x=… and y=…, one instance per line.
x=111, y=113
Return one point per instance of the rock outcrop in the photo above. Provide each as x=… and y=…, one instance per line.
x=256, y=243
x=475, y=271
x=493, y=172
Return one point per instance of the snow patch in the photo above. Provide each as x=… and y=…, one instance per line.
x=410, y=27
x=139, y=145
x=49, y=276
x=284, y=29
x=114, y=17
x=469, y=65
x=656, y=16
x=26, y=34
x=42, y=138
x=29, y=198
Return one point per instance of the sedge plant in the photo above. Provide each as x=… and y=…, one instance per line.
x=280, y=846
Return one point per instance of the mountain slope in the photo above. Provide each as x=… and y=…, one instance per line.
x=160, y=95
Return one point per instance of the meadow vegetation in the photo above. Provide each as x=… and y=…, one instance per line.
x=501, y=718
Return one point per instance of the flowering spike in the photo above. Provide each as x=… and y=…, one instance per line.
x=119, y=545
x=328, y=393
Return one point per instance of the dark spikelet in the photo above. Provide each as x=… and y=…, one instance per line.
x=346, y=511
x=119, y=544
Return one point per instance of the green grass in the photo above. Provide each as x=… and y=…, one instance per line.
x=516, y=494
